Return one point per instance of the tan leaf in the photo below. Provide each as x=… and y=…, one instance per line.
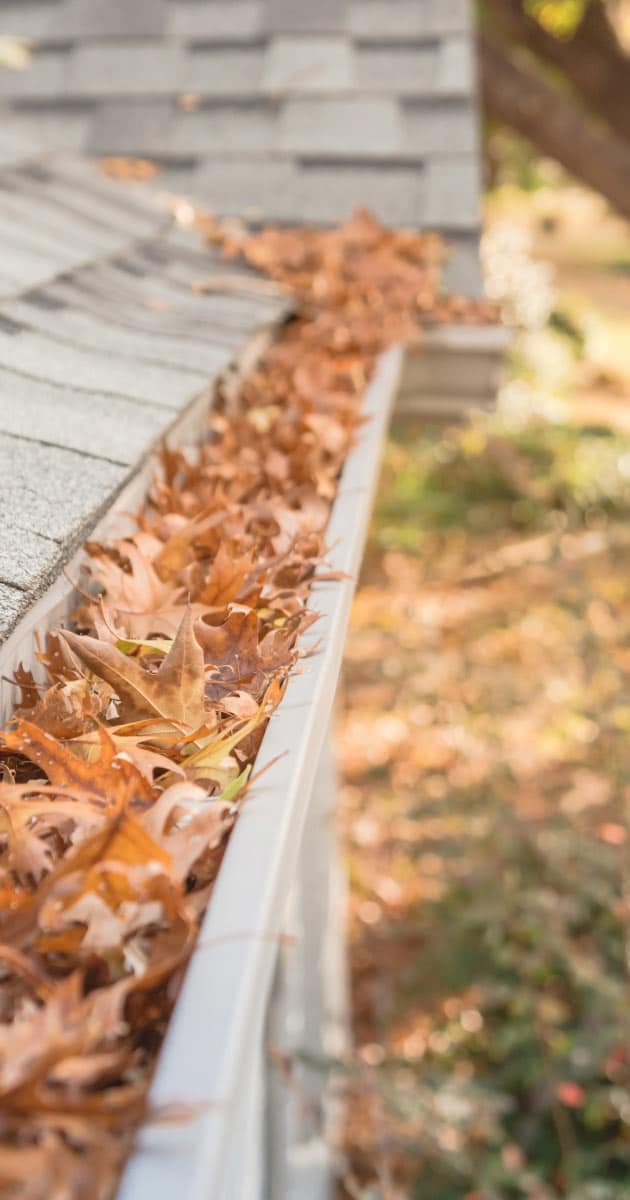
x=174, y=692
x=109, y=780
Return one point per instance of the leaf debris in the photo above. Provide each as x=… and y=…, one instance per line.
x=121, y=779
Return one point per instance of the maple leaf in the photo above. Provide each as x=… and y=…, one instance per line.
x=93, y=922
x=238, y=704
x=29, y=814
x=29, y=689
x=235, y=660
x=174, y=692
x=40, y=1174
x=27, y=826
x=238, y=661
x=182, y=798
x=202, y=834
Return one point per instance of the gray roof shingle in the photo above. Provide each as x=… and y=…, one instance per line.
x=63, y=309
x=437, y=127
x=125, y=68
x=99, y=425
x=31, y=355
x=25, y=559
x=26, y=20
x=109, y=18
x=452, y=191
x=348, y=128
x=398, y=69
x=13, y=605
x=223, y=70
x=241, y=101
x=308, y=64
x=239, y=20
x=455, y=67
x=393, y=192
x=52, y=491
x=103, y=342
x=287, y=16
x=138, y=127
x=15, y=148
x=384, y=20
x=44, y=76
x=223, y=129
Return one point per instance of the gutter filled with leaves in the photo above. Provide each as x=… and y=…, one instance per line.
x=123, y=775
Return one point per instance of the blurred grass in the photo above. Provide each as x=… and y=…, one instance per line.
x=487, y=477
x=483, y=744
x=487, y=777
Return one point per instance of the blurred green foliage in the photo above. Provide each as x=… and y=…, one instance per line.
x=489, y=477
x=535, y=1102
x=559, y=17
x=497, y=992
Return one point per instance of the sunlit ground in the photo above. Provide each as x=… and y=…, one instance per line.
x=484, y=747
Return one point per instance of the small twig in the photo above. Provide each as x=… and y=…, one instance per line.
x=263, y=770
x=236, y=283
x=77, y=586
x=31, y=687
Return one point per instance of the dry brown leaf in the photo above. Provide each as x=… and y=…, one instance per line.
x=115, y=780
x=174, y=692
x=106, y=864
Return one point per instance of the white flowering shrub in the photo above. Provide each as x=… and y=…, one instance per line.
x=522, y=287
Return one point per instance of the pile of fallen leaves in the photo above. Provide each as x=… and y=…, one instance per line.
x=123, y=774
x=360, y=285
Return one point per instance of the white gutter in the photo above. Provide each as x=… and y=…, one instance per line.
x=209, y=1057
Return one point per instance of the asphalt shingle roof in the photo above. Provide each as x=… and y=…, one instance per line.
x=287, y=110
x=283, y=110
x=103, y=343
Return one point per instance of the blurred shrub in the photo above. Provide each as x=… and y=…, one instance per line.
x=489, y=476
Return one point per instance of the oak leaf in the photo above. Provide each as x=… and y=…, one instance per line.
x=228, y=579
x=136, y=747
x=117, y=874
x=69, y=707
x=135, y=586
x=188, y=822
x=108, y=780
x=179, y=549
x=174, y=692
x=67, y=1025
x=36, y=832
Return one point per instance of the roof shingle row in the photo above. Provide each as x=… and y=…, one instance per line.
x=227, y=20
x=283, y=110
x=282, y=66
x=103, y=342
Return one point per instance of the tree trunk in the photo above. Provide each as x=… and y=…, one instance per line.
x=545, y=116
x=592, y=60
